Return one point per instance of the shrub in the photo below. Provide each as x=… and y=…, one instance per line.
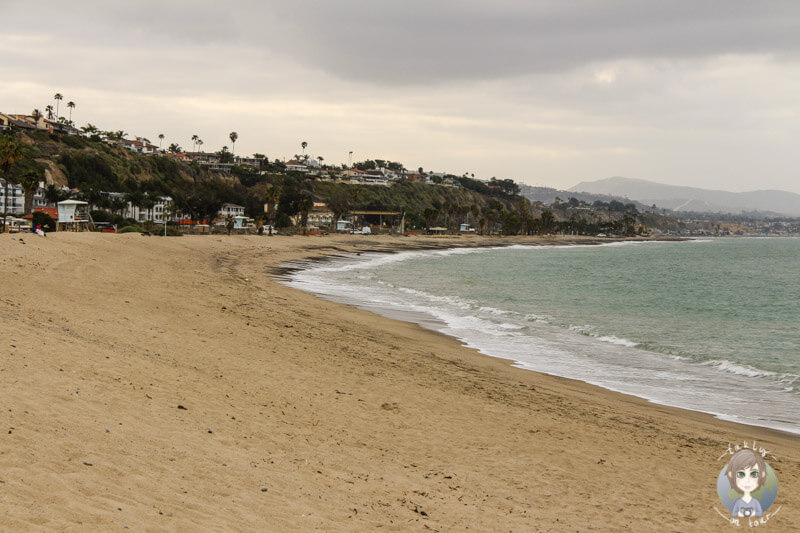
x=74, y=142
x=130, y=229
x=101, y=216
x=44, y=220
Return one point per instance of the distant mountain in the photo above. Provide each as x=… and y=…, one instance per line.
x=694, y=199
x=548, y=195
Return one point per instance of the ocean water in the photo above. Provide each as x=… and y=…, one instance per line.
x=709, y=325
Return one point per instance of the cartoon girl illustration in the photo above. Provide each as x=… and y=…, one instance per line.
x=746, y=473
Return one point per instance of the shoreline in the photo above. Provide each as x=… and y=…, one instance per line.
x=348, y=419
x=286, y=274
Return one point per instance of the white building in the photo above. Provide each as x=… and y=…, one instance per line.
x=296, y=166
x=140, y=146
x=231, y=210
x=139, y=214
x=16, y=198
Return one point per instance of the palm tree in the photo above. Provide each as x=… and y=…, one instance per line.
x=199, y=144
x=148, y=202
x=548, y=220
x=430, y=214
x=490, y=215
x=170, y=210
x=71, y=106
x=355, y=192
x=303, y=146
x=233, y=136
x=136, y=199
x=174, y=148
x=304, y=205
x=474, y=210
x=36, y=115
x=10, y=153
x=320, y=159
x=340, y=205
x=58, y=97
x=53, y=195
x=194, y=142
x=271, y=198
x=225, y=155
x=49, y=110
x=29, y=183
x=160, y=138
x=118, y=205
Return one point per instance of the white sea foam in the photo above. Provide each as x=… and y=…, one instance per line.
x=741, y=370
x=616, y=340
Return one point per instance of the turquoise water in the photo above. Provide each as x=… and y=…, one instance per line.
x=709, y=325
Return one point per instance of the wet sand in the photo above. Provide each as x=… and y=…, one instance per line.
x=170, y=384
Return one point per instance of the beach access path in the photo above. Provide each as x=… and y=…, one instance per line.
x=171, y=384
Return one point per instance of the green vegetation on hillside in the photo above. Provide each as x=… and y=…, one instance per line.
x=270, y=193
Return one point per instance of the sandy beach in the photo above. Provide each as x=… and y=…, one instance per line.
x=171, y=384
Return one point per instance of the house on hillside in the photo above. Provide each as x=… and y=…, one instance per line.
x=296, y=166
x=140, y=146
x=53, y=126
x=20, y=122
x=203, y=157
x=374, y=177
x=252, y=162
x=179, y=156
x=210, y=161
x=354, y=173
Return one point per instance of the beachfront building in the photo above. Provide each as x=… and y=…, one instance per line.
x=140, y=214
x=231, y=210
x=15, y=205
x=320, y=216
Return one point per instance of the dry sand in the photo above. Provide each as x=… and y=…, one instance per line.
x=173, y=385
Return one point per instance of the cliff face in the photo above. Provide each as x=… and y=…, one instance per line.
x=52, y=173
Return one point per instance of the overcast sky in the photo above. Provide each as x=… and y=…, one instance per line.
x=551, y=93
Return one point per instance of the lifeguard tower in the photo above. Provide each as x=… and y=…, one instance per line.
x=73, y=215
x=241, y=222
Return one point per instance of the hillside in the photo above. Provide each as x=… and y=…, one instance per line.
x=688, y=199
x=93, y=168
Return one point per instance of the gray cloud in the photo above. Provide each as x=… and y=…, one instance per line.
x=551, y=92
x=417, y=42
